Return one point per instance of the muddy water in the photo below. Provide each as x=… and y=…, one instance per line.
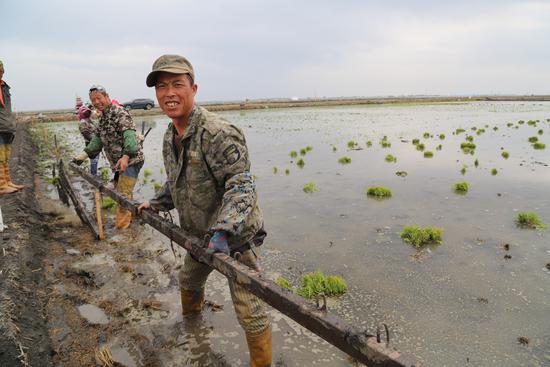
x=460, y=303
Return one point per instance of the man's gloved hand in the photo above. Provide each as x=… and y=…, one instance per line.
x=218, y=243
x=80, y=158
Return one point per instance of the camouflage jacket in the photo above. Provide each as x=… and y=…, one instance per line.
x=210, y=182
x=116, y=134
x=7, y=119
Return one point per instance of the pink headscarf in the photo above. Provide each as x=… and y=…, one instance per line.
x=84, y=112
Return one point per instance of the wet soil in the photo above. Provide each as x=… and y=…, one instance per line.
x=24, y=293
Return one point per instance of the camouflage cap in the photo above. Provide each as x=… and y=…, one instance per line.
x=174, y=64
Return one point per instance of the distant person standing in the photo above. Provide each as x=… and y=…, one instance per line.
x=7, y=134
x=87, y=128
x=116, y=135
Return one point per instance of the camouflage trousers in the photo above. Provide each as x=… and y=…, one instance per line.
x=250, y=309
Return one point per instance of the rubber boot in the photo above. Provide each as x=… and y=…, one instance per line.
x=125, y=186
x=5, y=188
x=7, y=148
x=191, y=302
x=259, y=346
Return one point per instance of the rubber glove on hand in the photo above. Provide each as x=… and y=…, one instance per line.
x=80, y=158
x=218, y=243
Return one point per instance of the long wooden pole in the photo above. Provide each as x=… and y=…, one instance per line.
x=366, y=348
x=98, y=217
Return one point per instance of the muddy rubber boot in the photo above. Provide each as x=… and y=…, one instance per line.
x=125, y=186
x=259, y=346
x=191, y=302
x=7, y=148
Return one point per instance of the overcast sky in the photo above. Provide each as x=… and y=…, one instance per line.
x=53, y=50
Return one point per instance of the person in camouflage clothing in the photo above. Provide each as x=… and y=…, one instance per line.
x=7, y=134
x=87, y=129
x=210, y=184
x=116, y=135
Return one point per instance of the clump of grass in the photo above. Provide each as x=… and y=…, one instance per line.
x=420, y=146
x=532, y=123
x=309, y=148
x=421, y=236
x=470, y=138
x=334, y=149
x=54, y=180
x=317, y=283
x=510, y=124
x=369, y=143
x=521, y=122
x=480, y=131
x=287, y=172
x=428, y=154
x=530, y=220
x=146, y=173
x=310, y=187
x=285, y=283
x=463, y=169
x=426, y=135
x=303, y=151
x=461, y=187
x=540, y=132
x=301, y=163
x=495, y=128
x=476, y=162
x=352, y=144
x=379, y=192
x=415, y=141
x=533, y=139
x=439, y=147
x=156, y=186
x=104, y=173
x=459, y=131
x=108, y=204
x=401, y=173
x=390, y=158
x=505, y=154
x=494, y=171
x=474, y=128
x=275, y=170
x=293, y=154
x=344, y=160
x=539, y=145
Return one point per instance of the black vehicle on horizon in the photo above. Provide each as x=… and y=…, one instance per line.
x=144, y=103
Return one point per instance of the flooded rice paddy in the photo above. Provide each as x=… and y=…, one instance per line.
x=463, y=302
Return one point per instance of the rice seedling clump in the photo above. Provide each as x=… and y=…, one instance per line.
x=317, y=283
x=310, y=187
x=379, y=192
x=420, y=236
x=530, y=220
x=344, y=160
x=461, y=187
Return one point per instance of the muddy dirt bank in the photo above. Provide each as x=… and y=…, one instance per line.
x=24, y=339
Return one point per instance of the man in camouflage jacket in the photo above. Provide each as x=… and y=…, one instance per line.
x=116, y=135
x=7, y=134
x=209, y=183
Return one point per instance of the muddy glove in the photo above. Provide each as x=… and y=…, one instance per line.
x=80, y=158
x=218, y=243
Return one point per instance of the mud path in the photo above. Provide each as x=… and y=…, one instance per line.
x=24, y=338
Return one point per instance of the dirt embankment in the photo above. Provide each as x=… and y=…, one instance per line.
x=24, y=339
x=68, y=115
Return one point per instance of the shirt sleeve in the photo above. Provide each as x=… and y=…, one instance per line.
x=94, y=147
x=162, y=201
x=227, y=157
